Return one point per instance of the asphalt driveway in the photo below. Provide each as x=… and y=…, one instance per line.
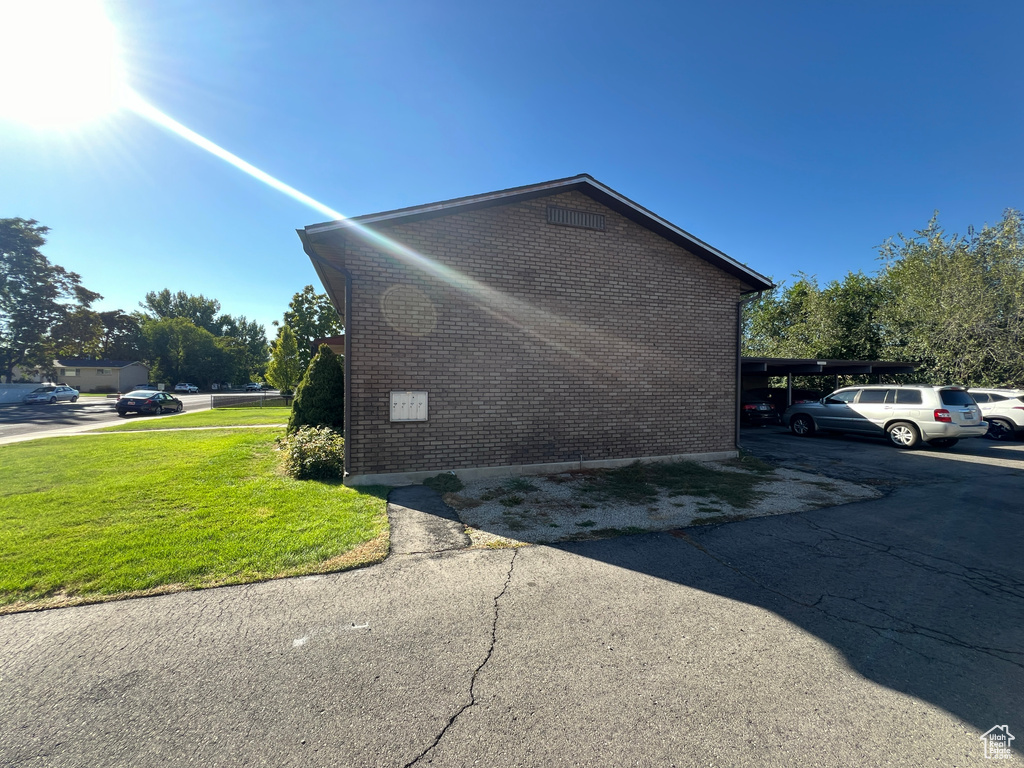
x=882, y=632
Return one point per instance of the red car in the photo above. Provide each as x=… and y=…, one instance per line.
x=147, y=401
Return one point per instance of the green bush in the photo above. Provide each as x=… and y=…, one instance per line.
x=320, y=397
x=315, y=453
x=446, y=482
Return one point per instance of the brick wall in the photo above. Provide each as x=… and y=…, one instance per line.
x=537, y=343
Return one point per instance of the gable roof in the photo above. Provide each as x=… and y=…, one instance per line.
x=85, y=362
x=585, y=184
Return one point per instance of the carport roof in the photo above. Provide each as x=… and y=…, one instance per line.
x=783, y=366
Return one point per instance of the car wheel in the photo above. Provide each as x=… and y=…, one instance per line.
x=944, y=442
x=180, y=408
x=53, y=400
x=902, y=434
x=122, y=414
x=998, y=429
x=74, y=399
x=159, y=410
x=802, y=425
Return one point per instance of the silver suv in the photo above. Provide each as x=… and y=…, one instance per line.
x=939, y=416
x=1003, y=409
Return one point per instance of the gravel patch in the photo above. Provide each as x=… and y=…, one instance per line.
x=508, y=512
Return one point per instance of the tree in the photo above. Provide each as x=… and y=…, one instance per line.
x=35, y=295
x=199, y=310
x=956, y=304
x=320, y=397
x=838, y=322
x=311, y=316
x=78, y=334
x=178, y=350
x=952, y=304
x=253, y=338
x=245, y=357
x=284, y=369
x=122, y=336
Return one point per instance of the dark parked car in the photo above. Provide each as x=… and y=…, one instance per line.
x=147, y=401
x=777, y=396
x=756, y=411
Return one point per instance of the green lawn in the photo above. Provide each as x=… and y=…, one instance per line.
x=88, y=517
x=218, y=417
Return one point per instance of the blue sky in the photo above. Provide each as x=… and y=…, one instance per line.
x=792, y=136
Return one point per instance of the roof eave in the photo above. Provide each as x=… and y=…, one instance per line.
x=583, y=183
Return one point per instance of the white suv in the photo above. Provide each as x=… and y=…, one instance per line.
x=940, y=416
x=183, y=387
x=1003, y=409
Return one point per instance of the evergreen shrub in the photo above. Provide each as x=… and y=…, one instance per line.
x=320, y=397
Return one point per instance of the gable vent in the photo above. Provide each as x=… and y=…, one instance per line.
x=570, y=218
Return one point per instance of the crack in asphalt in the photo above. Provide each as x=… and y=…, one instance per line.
x=910, y=628
x=886, y=632
x=987, y=582
x=476, y=672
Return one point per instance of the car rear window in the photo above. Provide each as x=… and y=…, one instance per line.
x=955, y=397
x=144, y=393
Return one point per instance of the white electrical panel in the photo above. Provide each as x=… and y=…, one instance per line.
x=408, y=406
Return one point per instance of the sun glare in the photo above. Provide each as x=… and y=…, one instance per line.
x=60, y=63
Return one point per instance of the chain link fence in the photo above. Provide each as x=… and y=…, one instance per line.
x=260, y=400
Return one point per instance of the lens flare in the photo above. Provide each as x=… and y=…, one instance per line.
x=543, y=326
x=143, y=108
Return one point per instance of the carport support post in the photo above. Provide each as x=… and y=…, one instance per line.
x=789, y=389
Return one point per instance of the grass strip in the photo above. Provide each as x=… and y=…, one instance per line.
x=87, y=519
x=218, y=417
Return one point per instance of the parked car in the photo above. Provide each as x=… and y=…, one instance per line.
x=1003, y=409
x=253, y=387
x=183, y=387
x=906, y=414
x=777, y=396
x=51, y=393
x=756, y=411
x=148, y=401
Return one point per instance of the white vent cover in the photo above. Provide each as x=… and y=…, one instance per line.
x=408, y=406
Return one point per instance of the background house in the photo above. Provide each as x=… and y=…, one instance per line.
x=88, y=375
x=551, y=326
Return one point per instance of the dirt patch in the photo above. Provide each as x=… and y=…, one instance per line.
x=639, y=498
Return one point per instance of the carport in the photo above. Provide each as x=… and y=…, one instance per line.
x=756, y=371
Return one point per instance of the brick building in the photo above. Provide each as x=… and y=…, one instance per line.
x=534, y=329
